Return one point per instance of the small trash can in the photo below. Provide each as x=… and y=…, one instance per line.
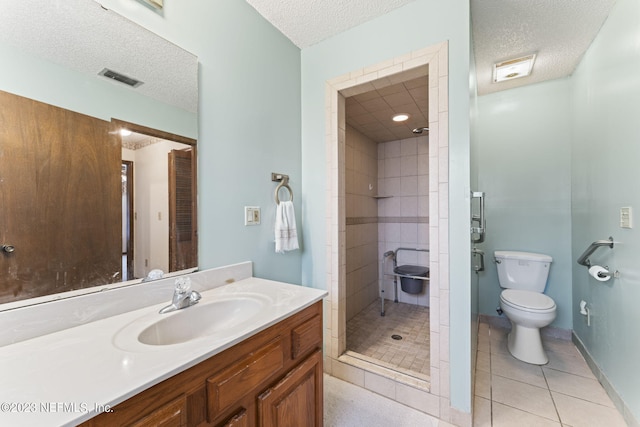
x=409, y=285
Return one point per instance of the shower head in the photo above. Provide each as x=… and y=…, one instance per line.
x=418, y=131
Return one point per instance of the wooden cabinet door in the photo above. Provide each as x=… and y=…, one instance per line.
x=297, y=399
x=173, y=414
x=241, y=419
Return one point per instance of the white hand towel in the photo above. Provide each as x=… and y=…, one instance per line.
x=286, y=234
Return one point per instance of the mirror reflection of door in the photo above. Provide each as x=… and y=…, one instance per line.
x=59, y=200
x=183, y=243
x=164, y=206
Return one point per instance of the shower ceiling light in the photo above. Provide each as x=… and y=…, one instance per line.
x=513, y=68
x=401, y=117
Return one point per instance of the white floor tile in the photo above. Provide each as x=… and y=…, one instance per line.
x=481, y=412
x=577, y=412
x=577, y=386
x=347, y=405
x=483, y=384
x=525, y=397
x=506, y=416
x=567, y=363
x=509, y=392
x=508, y=366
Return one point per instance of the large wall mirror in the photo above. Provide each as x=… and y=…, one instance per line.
x=98, y=132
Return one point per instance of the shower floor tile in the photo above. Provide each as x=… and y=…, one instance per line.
x=370, y=335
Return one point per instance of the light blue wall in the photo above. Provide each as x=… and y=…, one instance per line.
x=606, y=177
x=386, y=37
x=249, y=125
x=522, y=147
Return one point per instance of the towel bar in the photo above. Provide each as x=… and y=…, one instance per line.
x=284, y=182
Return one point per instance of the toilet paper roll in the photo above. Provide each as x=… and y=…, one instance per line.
x=596, y=269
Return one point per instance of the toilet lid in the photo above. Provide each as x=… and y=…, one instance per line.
x=527, y=300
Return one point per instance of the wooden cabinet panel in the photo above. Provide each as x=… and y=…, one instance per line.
x=173, y=414
x=241, y=419
x=228, y=386
x=297, y=399
x=306, y=336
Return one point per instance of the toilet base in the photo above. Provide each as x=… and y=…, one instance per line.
x=525, y=344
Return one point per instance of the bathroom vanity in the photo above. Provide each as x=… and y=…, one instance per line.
x=271, y=379
x=249, y=353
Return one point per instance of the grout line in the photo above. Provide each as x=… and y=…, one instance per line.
x=551, y=395
x=490, y=380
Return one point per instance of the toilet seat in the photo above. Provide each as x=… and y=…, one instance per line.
x=529, y=301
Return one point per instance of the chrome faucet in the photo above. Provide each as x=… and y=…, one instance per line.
x=183, y=296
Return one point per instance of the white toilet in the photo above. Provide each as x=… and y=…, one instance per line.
x=523, y=276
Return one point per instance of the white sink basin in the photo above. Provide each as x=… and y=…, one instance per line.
x=217, y=319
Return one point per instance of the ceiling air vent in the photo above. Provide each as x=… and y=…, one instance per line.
x=120, y=77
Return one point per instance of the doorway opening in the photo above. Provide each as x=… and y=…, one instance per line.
x=362, y=215
x=160, y=218
x=387, y=224
x=127, y=220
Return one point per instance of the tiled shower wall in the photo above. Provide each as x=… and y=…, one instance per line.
x=403, y=215
x=361, y=169
x=387, y=207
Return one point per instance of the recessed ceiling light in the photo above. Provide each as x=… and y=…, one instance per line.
x=400, y=117
x=513, y=68
x=125, y=132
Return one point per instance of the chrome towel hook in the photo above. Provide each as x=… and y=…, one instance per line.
x=284, y=182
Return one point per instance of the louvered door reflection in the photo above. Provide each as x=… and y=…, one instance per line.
x=183, y=241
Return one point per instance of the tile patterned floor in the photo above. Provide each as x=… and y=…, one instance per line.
x=369, y=335
x=347, y=405
x=564, y=392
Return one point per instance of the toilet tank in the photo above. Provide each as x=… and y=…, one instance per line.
x=523, y=270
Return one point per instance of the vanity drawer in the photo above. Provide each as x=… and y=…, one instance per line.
x=230, y=385
x=306, y=336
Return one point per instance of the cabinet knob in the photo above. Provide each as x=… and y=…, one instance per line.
x=8, y=248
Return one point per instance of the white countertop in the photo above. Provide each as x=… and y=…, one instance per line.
x=69, y=376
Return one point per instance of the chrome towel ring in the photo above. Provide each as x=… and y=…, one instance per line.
x=284, y=182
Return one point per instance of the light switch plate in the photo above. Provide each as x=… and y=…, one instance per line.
x=251, y=215
x=626, y=220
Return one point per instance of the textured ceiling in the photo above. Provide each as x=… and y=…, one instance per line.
x=559, y=31
x=81, y=35
x=306, y=22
